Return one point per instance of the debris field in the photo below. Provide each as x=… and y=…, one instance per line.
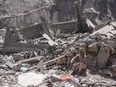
x=34, y=52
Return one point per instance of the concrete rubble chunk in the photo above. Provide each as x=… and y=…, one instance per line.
x=30, y=78
x=8, y=58
x=84, y=85
x=103, y=56
x=113, y=32
x=9, y=64
x=113, y=60
x=55, y=77
x=114, y=67
x=113, y=24
x=93, y=47
x=50, y=41
x=104, y=30
x=90, y=24
x=58, y=32
x=96, y=36
x=106, y=72
x=112, y=44
x=23, y=69
x=40, y=66
x=67, y=84
x=18, y=56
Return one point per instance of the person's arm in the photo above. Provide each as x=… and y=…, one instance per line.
x=73, y=59
x=85, y=58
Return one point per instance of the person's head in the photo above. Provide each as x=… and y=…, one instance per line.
x=82, y=52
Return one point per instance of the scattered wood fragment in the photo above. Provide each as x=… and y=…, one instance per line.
x=34, y=59
x=50, y=61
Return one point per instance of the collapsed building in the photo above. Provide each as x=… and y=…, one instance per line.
x=31, y=43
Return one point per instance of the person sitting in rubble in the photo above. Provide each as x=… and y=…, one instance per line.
x=79, y=62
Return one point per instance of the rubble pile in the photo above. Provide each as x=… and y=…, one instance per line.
x=56, y=61
x=98, y=11
x=37, y=53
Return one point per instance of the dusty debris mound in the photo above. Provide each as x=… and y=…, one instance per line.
x=96, y=10
x=14, y=7
x=37, y=53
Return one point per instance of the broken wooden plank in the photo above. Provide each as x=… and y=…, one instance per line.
x=53, y=60
x=34, y=59
x=48, y=62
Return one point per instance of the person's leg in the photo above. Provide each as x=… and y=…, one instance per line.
x=82, y=66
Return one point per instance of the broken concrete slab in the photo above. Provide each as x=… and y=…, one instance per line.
x=113, y=24
x=31, y=31
x=104, y=30
x=65, y=27
x=106, y=72
x=55, y=78
x=30, y=78
x=40, y=66
x=90, y=24
x=50, y=41
x=18, y=47
x=109, y=35
x=8, y=58
x=113, y=32
x=9, y=64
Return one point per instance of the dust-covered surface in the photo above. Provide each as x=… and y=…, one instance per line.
x=94, y=9
x=14, y=7
x=62, y=10
x=36, y=52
